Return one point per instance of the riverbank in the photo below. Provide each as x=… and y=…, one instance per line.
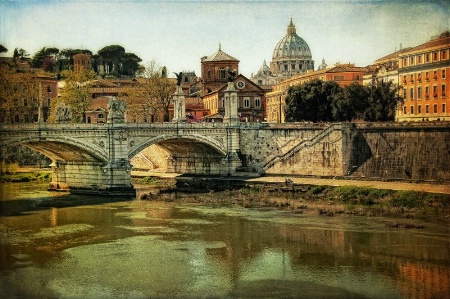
x=27, y=175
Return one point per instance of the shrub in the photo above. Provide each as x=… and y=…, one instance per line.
x=408, y=199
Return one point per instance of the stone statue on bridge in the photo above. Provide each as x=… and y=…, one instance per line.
x=63, y=113
x=116, y=110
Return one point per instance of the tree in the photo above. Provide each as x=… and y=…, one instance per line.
x=112, y=55
x=3, y=49
x=311, y=101
x=130, y=64
x=383, y=101
x=117, y=62
x=351, y=103
x=150, y=97
x=19, y=94
x=46, y=59
x=75, y=94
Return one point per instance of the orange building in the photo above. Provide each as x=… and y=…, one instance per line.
x=343, y=74
x=424, y=73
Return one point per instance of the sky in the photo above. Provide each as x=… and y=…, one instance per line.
x=178, y=33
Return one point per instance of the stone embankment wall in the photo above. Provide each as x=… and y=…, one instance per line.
x=406, y=151
x=390, y=151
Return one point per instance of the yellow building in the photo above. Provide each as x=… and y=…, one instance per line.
x=424, y=73
x=343, y=74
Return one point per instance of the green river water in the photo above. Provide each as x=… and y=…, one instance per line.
x=58, y=245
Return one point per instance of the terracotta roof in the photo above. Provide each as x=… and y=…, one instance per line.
x=346, y=68
x=392, y=56
x=219, y=56
x=443, y=41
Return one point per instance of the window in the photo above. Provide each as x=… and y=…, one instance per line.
x=222, y=74
x=427, y=57
x=435, y=91
x=411, y=93
x=404, y=109
x=443, y=90
x=419, y=109
x=404, y=93
x=427, y=77
x=412, y=109
x=427, y=92
x=435, y=108
x=419, y=77
x=419, y=93
x=444, y=54
x=427, y=108
x=412, y=78
x=435, y=75
x=404, y=61
x=443, y=74
x=404, y=79
x=209, y=74
x=246, y=102
x=257, y=102
x=435, y=56
x=443, y=108
x=419, y=59
x=411, y=60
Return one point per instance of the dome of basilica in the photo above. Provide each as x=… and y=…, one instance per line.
x=291, y=45
x=291, y=54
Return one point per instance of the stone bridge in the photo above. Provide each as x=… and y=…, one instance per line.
x=96, y=158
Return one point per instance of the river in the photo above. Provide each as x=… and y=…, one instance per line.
x=59, y=245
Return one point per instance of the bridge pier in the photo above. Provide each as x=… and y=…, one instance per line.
x=92, y=178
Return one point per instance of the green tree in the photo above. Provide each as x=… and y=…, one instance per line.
x=3, y=49
x=351, y=103
x=111, y=56
x=383, y=101
x=117, y=62
x=46, y=59
x=130, y=64
x=75, y=94
x=311, y=101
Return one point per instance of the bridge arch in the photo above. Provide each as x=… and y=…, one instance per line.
x=209, y=144
x=63, y=149
x=186, y=154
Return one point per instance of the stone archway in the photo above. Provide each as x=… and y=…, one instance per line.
x=186, y=155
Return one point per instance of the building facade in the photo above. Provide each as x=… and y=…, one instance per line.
x=343, y=74
x=250, y=101
x=424, y=73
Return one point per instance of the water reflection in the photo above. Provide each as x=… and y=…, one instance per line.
x=70, y=246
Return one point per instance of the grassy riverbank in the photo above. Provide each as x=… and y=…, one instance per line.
x=333, y=201
x=13, y=173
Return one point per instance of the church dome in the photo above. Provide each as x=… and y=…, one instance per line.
x=264, y=69
x=291, y=46
x=291, y=55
